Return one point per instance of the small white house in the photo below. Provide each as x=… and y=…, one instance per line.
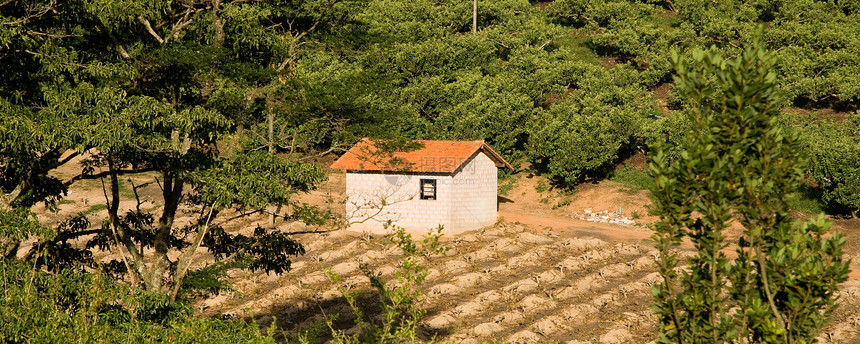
x=452, y=183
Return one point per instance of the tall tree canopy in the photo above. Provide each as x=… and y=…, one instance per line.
x=158, y=87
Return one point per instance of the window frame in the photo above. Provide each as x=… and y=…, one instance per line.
x=426, y=197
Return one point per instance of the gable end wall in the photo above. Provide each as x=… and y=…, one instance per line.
x=475, y=188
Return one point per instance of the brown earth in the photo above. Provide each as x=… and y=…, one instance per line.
x=508, y=283
x=541, y=275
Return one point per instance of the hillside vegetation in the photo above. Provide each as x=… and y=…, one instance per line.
x=182, y=116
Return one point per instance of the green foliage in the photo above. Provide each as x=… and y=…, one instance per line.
x=165, y=89
x=601, y=113
x=227, y=104
x=818, y=61
x=77, y=307
x=20, y=224
x=738, y=165
x=505, y=187
x=398, y=321
x=541, y=186
x=315, y=333
x=667, y=133
x=560, y=204
x=633, y=180
x=255, y=179
x=807, y=200
x=834, y=150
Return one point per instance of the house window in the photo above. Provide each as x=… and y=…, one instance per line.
x=428, y=189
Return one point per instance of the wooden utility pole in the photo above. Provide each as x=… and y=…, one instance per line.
x=474, y=16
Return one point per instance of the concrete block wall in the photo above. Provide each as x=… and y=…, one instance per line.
x=366, y=193
x=465, y=201
x=475, y=187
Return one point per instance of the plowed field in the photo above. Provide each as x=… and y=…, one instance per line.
x=554, y=280
x=506, y=283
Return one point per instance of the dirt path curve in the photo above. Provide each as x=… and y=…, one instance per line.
x=576, y=227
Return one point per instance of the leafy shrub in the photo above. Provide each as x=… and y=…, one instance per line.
x=834, y=152
x=738, y=165
x=72, y=306
x=581, y=136
x=667, y=132
x=505, y=187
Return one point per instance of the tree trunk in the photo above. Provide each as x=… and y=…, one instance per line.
x=185, y=261
x=235, y=144
x=217, y=25
x=160, y=262
x=474, y=16
x=137, y=266
x=270, y=118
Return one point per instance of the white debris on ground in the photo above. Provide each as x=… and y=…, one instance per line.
x=606, y=217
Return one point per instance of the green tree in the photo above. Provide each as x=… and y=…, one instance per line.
x=816, y=42
x=834, y=150
x=33, y=140
x=149, y=87
x=599, y=116
x=737, y=166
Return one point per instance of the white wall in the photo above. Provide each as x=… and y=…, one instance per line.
x=475, y=189
x=366, y=193
x=463, y=202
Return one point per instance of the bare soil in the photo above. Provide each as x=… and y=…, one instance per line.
x=540, y=275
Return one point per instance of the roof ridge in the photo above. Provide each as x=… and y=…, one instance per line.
x=437, y=156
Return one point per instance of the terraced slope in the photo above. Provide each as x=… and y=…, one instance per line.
x=503, y=283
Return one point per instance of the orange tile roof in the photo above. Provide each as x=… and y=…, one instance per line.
x=434, y=157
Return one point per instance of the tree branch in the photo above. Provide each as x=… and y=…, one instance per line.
x=68, y=158
x=500, y=43
x=766, y=285
x=183, y=22
x=130, y=246
x=148, y=27
x=9, y=198
x=42, y=11
x=72, y=235
x=113, y=39
x=318, y=231
x=105, y=174
x=544, y=44
x=52, y=35
x=187, y=256
x=217, y=25
x=294, y=39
